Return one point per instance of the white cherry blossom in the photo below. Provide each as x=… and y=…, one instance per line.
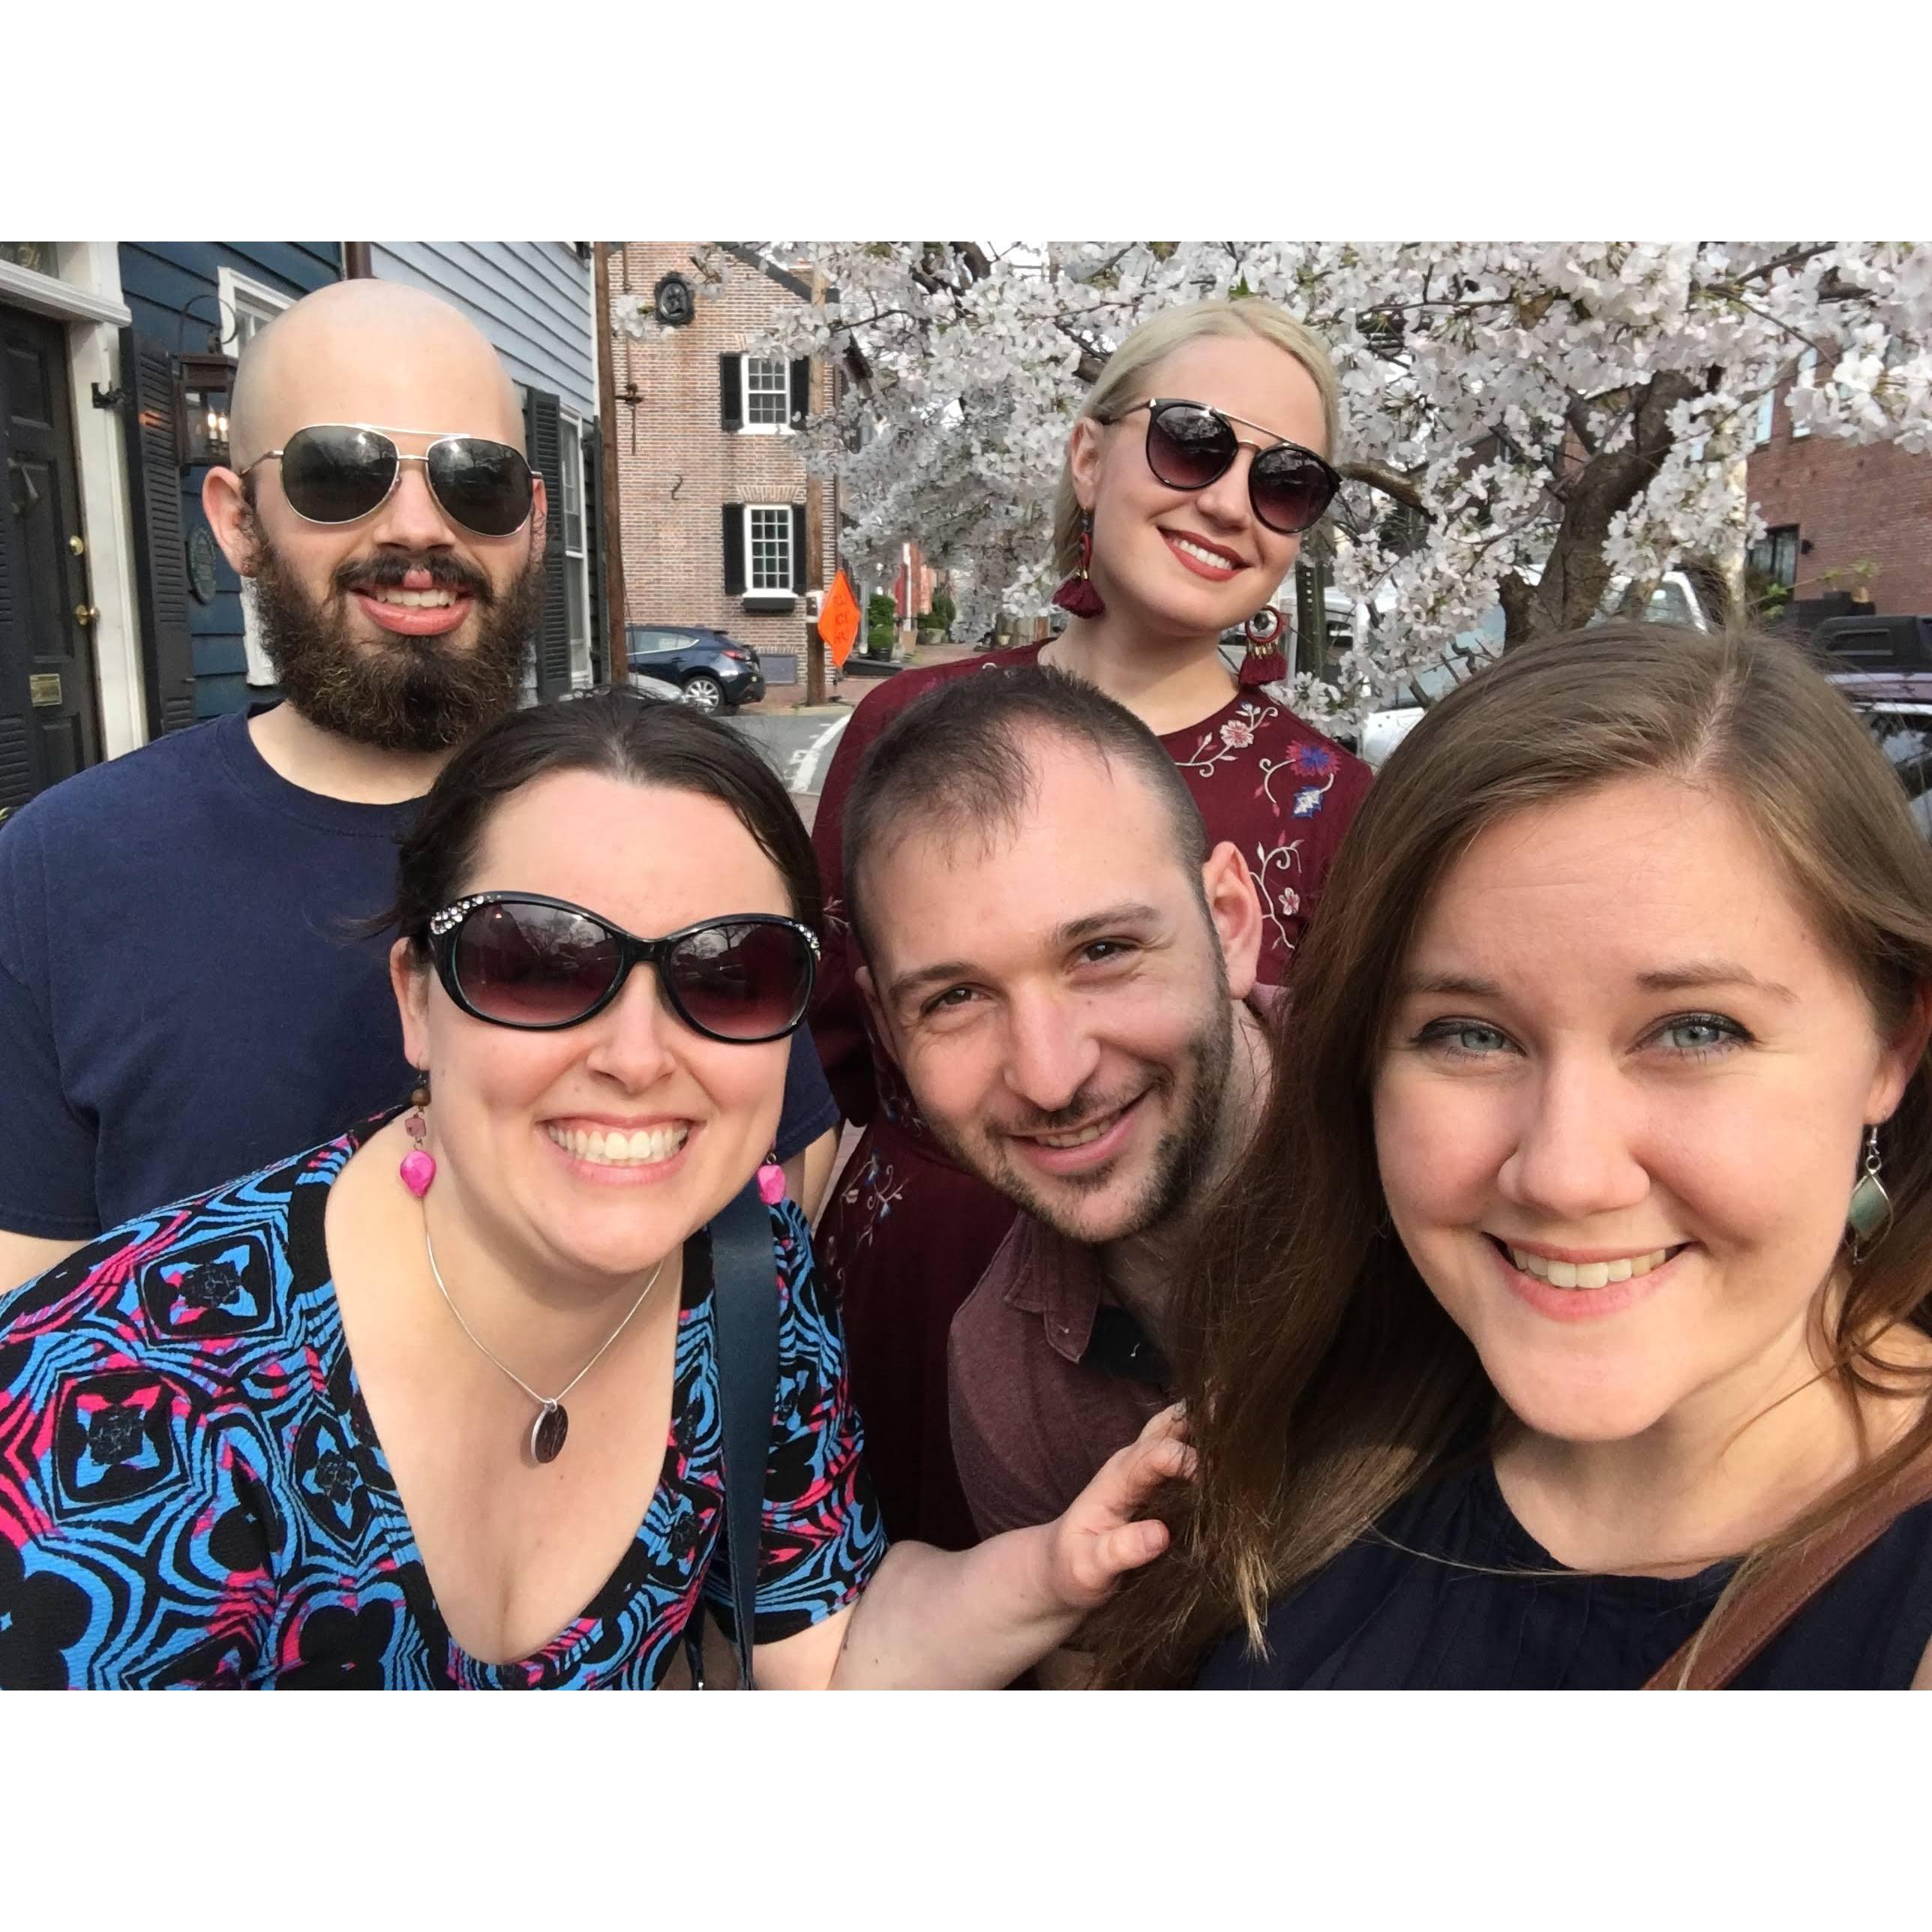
x=1554, y=415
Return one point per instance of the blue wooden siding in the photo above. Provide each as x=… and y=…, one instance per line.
x=531, y=298
x=171, y=289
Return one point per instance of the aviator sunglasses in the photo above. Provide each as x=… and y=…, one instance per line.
x=340, y=472
x=520, y=959
x=1189, y=446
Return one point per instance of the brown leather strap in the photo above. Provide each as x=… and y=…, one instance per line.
x=1764, y=1613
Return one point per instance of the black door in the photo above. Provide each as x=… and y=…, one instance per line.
x=48, y=728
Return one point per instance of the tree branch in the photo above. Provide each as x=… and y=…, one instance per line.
x=1390, y=482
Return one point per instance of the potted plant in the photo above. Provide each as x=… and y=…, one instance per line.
x=942, y=616
x=881, y=620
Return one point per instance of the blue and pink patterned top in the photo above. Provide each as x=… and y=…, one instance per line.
x=191, y=1493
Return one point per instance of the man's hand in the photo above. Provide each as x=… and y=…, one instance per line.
x=1097, y=1541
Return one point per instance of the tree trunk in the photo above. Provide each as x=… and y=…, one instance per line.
x=1576, y=575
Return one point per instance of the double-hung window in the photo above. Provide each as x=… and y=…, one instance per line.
x=246, y=308
x=576, y=562
x=767, y=392
x=768, y=546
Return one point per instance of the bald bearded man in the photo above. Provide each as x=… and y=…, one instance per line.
x=185, y=993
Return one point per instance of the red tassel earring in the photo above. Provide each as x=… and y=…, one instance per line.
x=1264, y=662
x=1078, y=594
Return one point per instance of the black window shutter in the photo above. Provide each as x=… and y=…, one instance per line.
x=160, y=553
x=801, y=390
x=18, y=777
x=798, y=546
x=734, y=549
x=593, y=551
x=543, y=428
x=731, y=393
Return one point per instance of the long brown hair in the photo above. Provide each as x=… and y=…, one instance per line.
x=1324, y=1382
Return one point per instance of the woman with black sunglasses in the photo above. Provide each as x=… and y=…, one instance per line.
x=1202, y=456
x=443, y=1402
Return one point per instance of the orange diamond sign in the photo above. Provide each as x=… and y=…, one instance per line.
x=838, y=620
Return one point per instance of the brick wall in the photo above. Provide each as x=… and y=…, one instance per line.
x=676, y=468
x=1850, y=502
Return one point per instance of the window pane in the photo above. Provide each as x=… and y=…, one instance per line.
x=251, y=317
x=770, y=547
x=767, y=391
x=573, y=488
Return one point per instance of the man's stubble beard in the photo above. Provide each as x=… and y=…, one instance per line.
x=396, y=693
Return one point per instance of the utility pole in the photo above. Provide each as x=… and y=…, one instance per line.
x=815, y=552
x=814, y=580
x=610, y=495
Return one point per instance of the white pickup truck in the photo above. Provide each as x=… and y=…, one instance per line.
x=1673, y=601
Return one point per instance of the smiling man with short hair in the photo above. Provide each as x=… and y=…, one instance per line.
x=1065, y=974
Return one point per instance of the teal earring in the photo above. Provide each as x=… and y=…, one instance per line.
x=1870, y=1213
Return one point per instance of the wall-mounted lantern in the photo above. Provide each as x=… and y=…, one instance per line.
x=203, y=386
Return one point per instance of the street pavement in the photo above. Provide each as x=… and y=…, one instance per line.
x=798, y=746
x=799, y=739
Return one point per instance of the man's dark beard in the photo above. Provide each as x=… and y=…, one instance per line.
x=400, y=694
x=1182, y=1157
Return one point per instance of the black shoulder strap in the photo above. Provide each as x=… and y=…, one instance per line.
x=745, y=1309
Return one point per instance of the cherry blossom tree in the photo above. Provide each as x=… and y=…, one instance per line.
x=1526, y=424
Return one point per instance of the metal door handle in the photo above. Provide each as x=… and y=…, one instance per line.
x=84, y=614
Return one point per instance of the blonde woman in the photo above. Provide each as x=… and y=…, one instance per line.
x=1200, y=458
x=1571, y=1328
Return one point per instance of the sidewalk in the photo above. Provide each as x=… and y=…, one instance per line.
x=845, y=692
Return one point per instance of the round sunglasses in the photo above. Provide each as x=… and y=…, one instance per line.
x=341, y=473
x=1189, y=446
x=523, y=960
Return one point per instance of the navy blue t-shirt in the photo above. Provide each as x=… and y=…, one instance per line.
x=183, y=996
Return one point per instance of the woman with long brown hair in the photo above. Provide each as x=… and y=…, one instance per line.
x=1199, y=458
x=1570, y=1326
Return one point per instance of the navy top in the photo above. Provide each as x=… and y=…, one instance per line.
x=182, y=995
x=1395, y=1613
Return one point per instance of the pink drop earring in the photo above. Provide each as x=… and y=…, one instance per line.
x=417, y=1167
x=771, y=1180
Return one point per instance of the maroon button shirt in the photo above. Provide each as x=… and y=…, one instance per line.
x=1032, y=1420
x=1035, y=1408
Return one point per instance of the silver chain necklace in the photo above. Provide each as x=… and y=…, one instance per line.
x=552, y=1426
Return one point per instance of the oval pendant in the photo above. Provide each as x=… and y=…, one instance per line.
x=548, y=1431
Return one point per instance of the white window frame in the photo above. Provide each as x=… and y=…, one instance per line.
x=576, y=562
x=1807, y=363
x=744, y=422
x=238, y=296
x=753, y=588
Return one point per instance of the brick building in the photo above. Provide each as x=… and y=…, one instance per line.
x=711, y=487
x=1841, y=515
